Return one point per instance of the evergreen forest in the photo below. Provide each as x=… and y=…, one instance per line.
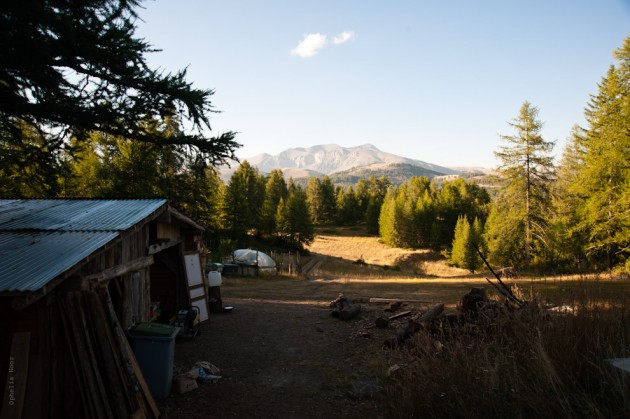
x=91, y=119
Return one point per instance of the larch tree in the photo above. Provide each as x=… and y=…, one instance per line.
x=604, y=181
x=329, y=201
x=70, y=68
x=568, y=237
x=30, y=169
x=315, y=196
x=243, y=201
x=294, y=219
x=390, y=219
x=460, y=242
x=377, y=188
x=467, y=239
x=524, y=202
x=275, y=190
x=347, y=207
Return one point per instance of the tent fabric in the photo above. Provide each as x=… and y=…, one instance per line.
x=254, y=257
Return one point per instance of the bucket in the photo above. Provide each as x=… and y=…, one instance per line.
x=214, y=279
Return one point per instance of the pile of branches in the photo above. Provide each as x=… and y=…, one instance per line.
x=475, y=313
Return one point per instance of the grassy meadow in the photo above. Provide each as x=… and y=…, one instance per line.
x=362, y=267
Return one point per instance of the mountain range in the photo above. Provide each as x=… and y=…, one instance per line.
x=346, y=164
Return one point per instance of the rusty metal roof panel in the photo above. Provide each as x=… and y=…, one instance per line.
x=75, y=214
x=31, y=260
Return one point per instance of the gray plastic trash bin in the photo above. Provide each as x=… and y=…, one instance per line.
x=154, y=348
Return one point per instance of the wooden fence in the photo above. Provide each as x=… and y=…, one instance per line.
x=287, y=263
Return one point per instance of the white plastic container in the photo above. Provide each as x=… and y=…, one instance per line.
x=214, y=279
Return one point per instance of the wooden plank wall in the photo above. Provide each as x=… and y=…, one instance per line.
x=167, y=231
x=76, y=361
x=134, y=287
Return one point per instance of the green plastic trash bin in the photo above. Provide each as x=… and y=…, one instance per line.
x=154, y=347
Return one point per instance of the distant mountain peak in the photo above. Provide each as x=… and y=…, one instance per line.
x=332, y=158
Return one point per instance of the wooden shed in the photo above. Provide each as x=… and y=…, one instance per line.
x=74, y=275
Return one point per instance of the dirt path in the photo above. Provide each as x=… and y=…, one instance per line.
x=280, y=360
x=310, y=269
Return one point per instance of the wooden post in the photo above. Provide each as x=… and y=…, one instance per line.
x=289, y=263
x=127, y=301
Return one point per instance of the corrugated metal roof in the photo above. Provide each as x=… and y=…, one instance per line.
x=75, y=214
x=42, y=238
x=30, y=261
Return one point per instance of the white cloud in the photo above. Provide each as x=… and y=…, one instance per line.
x=343, y=37
x=310, y=45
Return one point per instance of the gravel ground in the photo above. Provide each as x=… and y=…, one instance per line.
x=283, y=359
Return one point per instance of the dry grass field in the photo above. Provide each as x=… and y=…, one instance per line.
x=362, y=267
x=351, y=245
x=283, y=355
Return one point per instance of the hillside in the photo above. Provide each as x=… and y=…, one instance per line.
x=397, y=173
x=345, y=165
x=332, y=158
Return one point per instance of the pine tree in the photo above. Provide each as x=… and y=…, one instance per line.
x=275, y=190
x=30, y=169
x=362, y=198
x=377, y=188
x=524, y=200
x=568, y=238
x=347, y=210
x=340, y=207
x=329, y=196
x=200, y=195
x=70, y=68
x=467, y=238
x=604, y=178
x=460, y=242
x=475, y=241
x=389, y=220
x=242, y=202
x=314, y=194
x=294, y=219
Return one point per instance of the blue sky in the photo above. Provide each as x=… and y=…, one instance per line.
x=437, y=81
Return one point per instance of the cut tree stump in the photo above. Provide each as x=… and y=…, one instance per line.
x=343, y=310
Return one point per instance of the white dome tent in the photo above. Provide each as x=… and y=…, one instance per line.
x=249, y=257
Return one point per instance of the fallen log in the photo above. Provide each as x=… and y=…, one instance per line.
x=399, y=315
x=431, y=314
x=398, y=300
x=383, y=322
x=414, y=325
x=402, y=333
x=350, y=312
